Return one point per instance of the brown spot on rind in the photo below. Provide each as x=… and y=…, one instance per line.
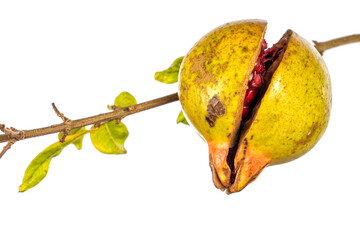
x=199, y=68
x=215, y=109
x=245, y=147
x=224, y=66
x=211, y=122
x=308, y=136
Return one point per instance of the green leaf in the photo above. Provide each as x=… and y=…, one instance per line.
x=181, y=118
x=39, y=166
x=109, y=138
x=170, y=75
x=125, y=99
x=77, y=143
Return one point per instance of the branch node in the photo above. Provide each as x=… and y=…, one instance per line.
x=111, y=107
x=12, y=133
x=115, y=108
x=61, y=115
x=131, y=108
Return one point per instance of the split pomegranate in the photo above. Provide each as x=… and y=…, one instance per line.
x=255, y=106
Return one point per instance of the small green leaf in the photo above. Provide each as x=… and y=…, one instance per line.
x=181, y=118
x=125, y=99
x=77, y=143
x=109, y=138
x=39, y=166
x=170, y=75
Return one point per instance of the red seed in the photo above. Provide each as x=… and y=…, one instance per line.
x=259, y=68
x=258, y=65
x=251, y=77
x=264, y=44
x=245, y=112
x=250, y=95
x=257, y=81
x=269, y=51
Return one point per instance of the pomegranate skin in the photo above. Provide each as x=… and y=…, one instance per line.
x=212, y=85
x=293, y=114
x=288, y=121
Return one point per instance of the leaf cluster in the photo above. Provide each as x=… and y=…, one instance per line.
x=108, y=137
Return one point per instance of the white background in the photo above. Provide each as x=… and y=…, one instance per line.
x=82, y=54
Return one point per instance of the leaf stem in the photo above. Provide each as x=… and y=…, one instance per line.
x=119, y=113
x=323, y=46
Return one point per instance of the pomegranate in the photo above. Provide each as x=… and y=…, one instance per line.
x=254, y=106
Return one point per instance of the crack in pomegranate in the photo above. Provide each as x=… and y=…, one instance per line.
x=266, y=64
x=256, y=81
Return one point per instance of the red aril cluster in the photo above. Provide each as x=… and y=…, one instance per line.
x=256, y=80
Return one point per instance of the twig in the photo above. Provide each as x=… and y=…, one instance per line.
x=101, y=118
x=61, y=115
x=7, y=147
x=323, y=46
x=66, y=121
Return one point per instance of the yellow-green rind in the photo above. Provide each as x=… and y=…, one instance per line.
x=219, y=65
x=295, y=110
x=293, y=114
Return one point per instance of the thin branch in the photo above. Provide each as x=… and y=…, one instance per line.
x=60, y=115
x=66, y=121
x=101, y=118
x=323, y=46
x=7, y=147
